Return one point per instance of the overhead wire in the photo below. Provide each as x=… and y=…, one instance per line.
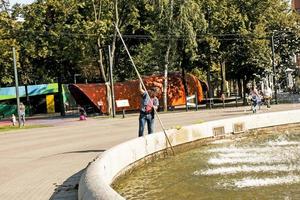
x=222, y=36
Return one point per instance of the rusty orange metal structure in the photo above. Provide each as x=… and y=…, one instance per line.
x=296, y=5
x=93, y=94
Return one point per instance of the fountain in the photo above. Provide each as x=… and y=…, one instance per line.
x=239, y=167
x=261, y=167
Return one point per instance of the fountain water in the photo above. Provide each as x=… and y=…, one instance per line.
x=264, y=167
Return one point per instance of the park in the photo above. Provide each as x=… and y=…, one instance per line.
x=76, y=79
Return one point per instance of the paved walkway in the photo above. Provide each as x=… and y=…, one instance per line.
x=46, y=163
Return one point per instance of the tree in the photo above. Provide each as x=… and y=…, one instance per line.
x=4, y=5
x=67, y=37
x=52, y=43
x=8, y=29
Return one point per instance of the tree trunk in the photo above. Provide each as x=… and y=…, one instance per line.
x=240, y=90
x=108, y=98
x=113, y=46
x=60, y=95
x=100, y=61
x=210, y=92
x=245, y=81
x=97, y=15
x=223, y=75
x=165, y=86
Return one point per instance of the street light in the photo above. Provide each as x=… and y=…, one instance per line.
x=17, y=86
x=19, y=19
x=273, y=67
x=210, y=93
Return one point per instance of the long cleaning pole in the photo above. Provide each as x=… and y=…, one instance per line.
x=144, y=87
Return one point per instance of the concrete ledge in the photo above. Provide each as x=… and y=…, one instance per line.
x=98, y=176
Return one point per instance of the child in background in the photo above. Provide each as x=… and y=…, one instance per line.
x=13, y=120
x=82, y=113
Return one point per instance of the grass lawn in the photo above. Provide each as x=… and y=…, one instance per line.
x=16, y=128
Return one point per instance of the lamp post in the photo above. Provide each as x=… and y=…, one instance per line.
x=210, y=93
x=274, y=70
x=21, y=20
x=17, y=86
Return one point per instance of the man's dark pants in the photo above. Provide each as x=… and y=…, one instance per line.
x=143, y=119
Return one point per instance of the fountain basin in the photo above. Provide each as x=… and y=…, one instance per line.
x=100, y=173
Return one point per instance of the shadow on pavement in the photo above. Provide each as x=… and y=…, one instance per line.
x=68, y=190
x=70, y=152
x=85, y=151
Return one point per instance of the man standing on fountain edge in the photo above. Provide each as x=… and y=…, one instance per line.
x=147, y=113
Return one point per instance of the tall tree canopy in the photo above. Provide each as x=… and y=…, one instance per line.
x=63, y=38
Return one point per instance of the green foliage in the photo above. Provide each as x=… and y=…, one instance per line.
x=7, y=41
x=64, y=38
x=10, y=128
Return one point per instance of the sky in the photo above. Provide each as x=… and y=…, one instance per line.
x=12, y=2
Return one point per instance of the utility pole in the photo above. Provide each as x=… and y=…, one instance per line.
x=17, y=86
x=60, y=91
x=210, y=93
x=274, y=70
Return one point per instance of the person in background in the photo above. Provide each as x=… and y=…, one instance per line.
x=13, y=120
x=82, y=113
x=67, y=106
x=268, y=96
x=259, y=98
x=22, y=113
x=147, y=110
x=255, y=99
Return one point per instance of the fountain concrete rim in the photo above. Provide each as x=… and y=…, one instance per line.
x=100, y=173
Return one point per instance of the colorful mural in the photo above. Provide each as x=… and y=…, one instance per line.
x=38, y=102
x=33, y=90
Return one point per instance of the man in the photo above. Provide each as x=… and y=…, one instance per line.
x=22, y=113
x=255, y=99
x=147, y=112
x=268, y=96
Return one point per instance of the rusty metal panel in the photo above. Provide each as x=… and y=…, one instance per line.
x=93, y=93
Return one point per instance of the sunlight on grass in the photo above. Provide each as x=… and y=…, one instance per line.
x=16, y=128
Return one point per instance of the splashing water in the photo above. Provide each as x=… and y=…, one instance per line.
x=256, y=182
x=247, y=169
x=264, y=168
